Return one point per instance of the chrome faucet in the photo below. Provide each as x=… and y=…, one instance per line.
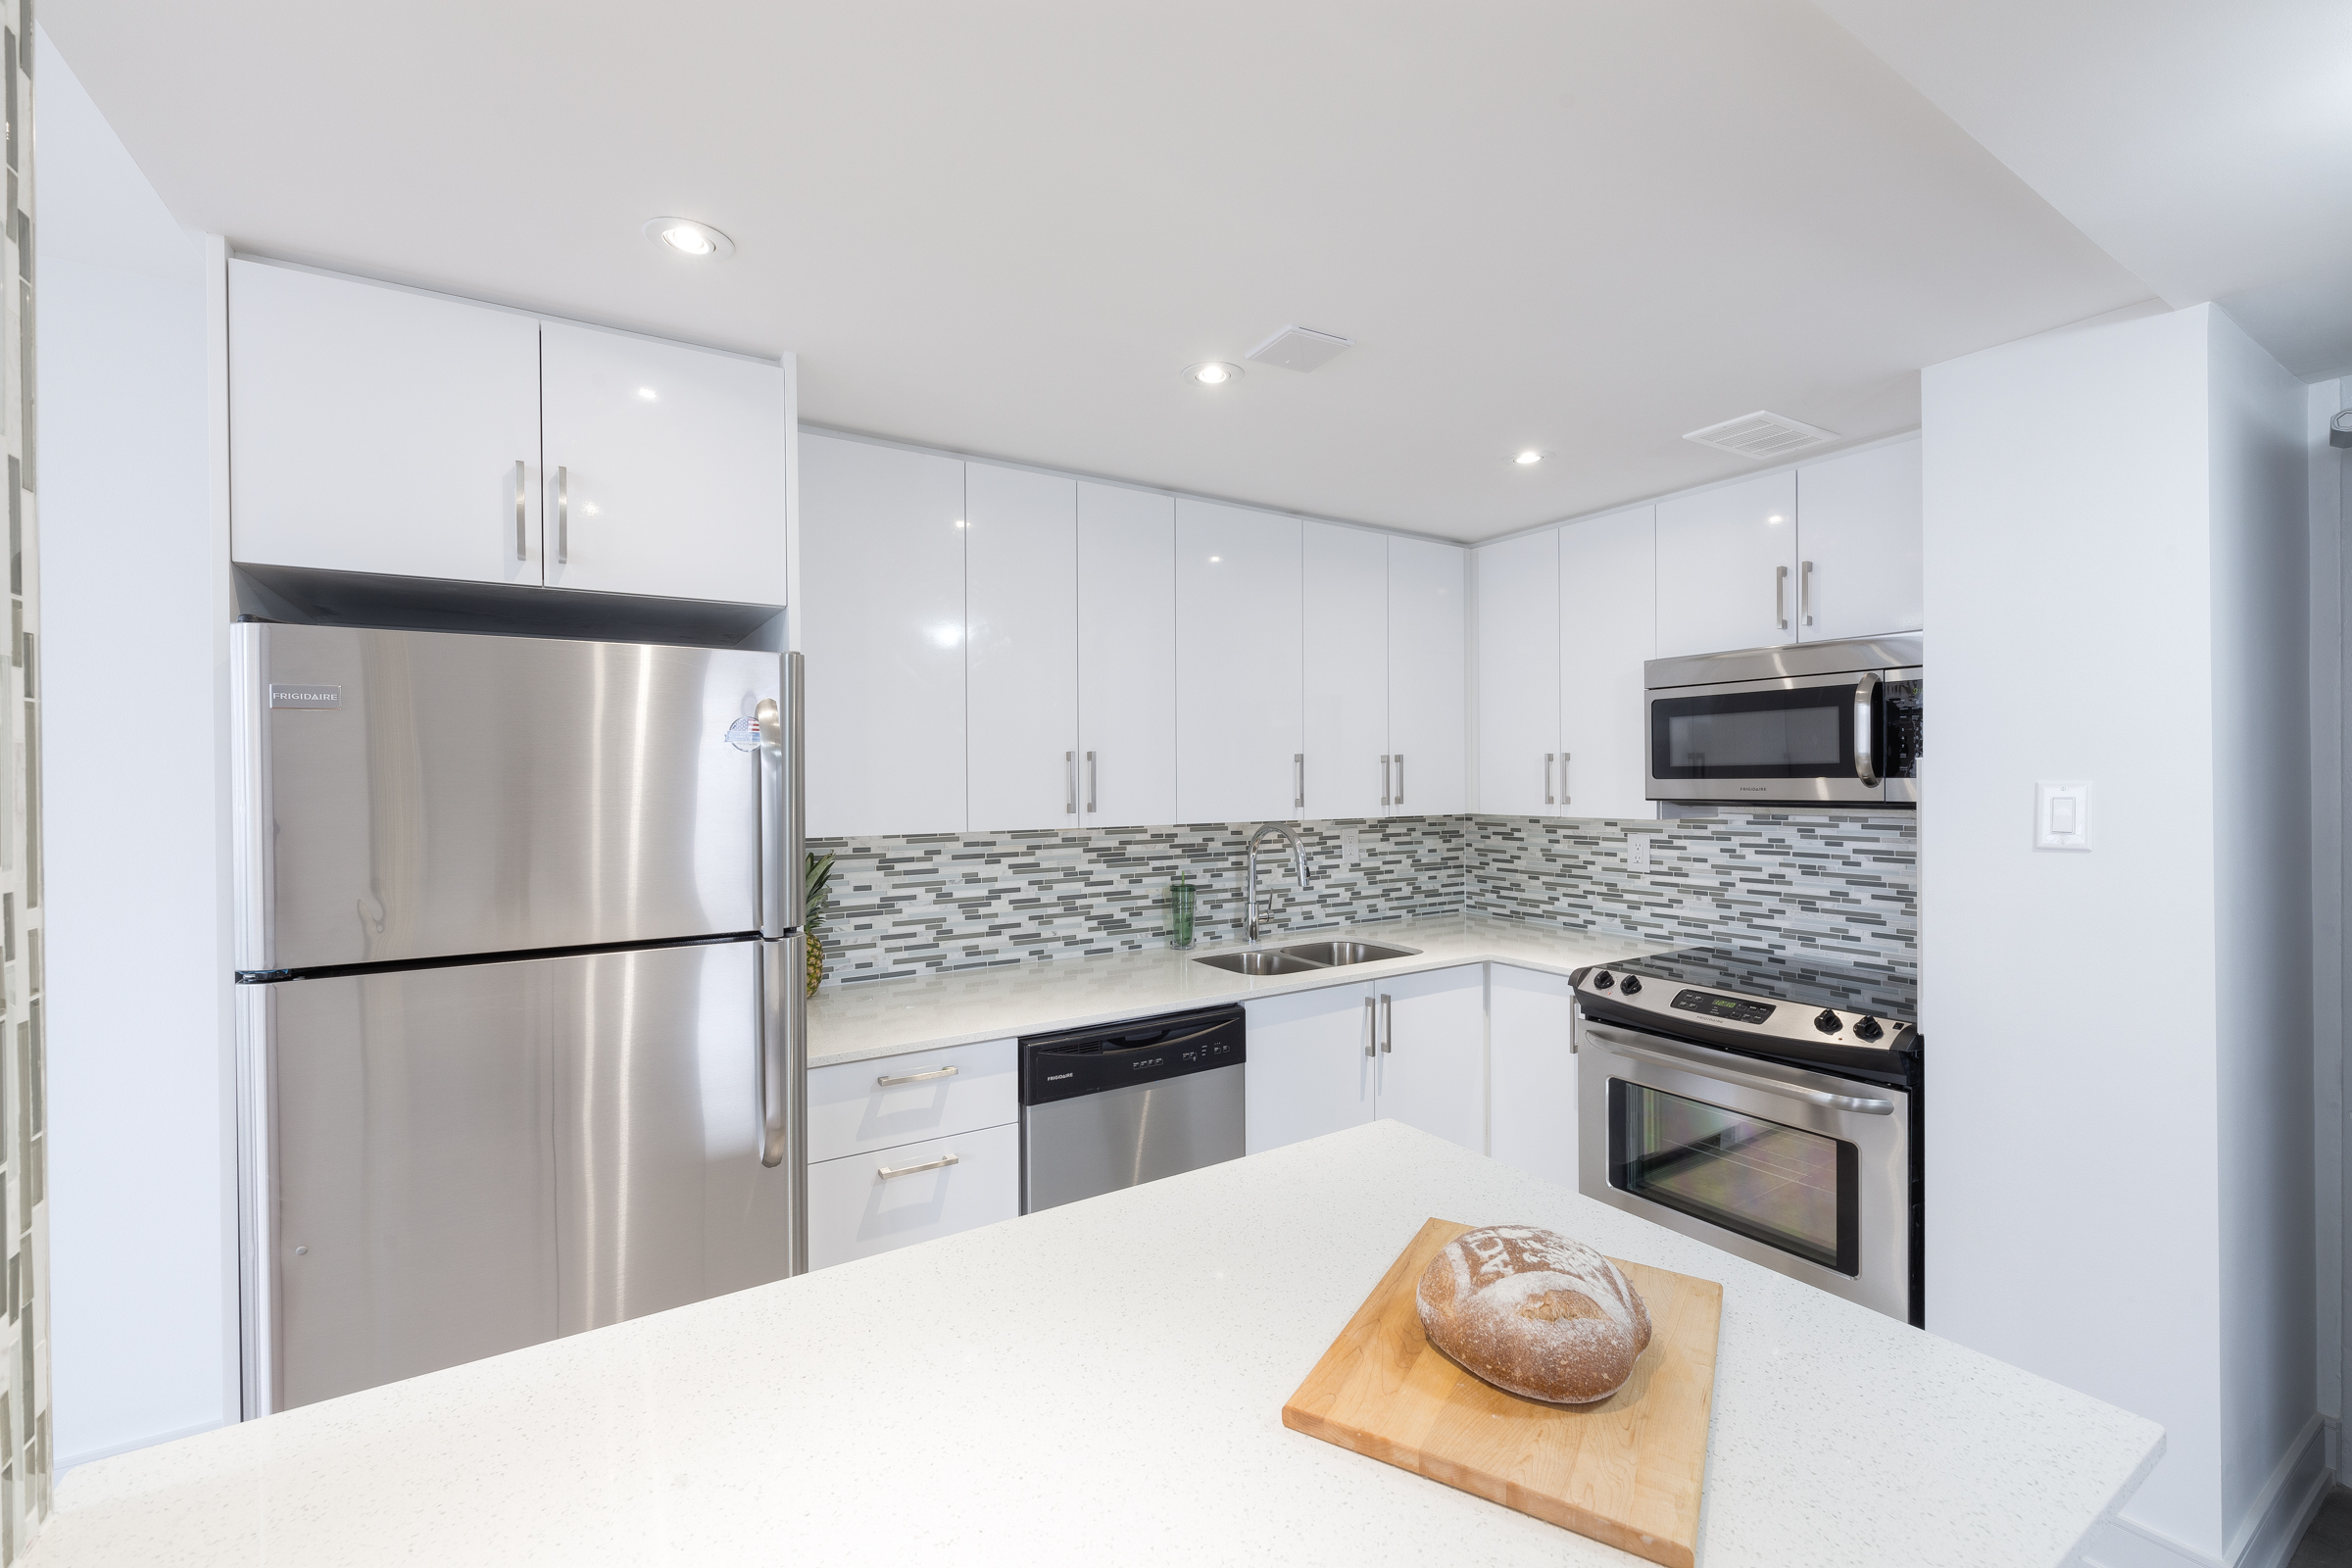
x=1250, y=913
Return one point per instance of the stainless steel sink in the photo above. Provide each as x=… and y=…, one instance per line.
x=1257, y=960
x=1330, y=954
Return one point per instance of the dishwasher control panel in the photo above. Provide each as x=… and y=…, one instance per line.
x=1118, y=1056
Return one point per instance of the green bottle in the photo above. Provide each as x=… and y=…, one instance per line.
x=1180, y=911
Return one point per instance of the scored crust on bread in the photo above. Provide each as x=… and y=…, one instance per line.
x=1534, y=1314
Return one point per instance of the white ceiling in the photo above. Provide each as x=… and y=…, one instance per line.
x=2208, y=147
x=1585, y=227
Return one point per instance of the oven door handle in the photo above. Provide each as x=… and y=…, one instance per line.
x=1864, y=1105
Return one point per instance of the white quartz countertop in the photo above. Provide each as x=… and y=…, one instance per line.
x=890, y=1017
x=1103, y=1383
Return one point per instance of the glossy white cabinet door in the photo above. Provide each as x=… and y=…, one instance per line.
x=1858, y=533
x=1533, y=1119
x=1433, y=1053
x=665, y=467
x=1519, y=675
x=1126, y=656
x=1427, y=699
x=1607, y=626
x=881, y=607
x=1238, y=664
x=1347, y=716
x=1020, y=562
x=373, y=429
x=1727, y=568
x=854, y=1211
x=1307, y=1071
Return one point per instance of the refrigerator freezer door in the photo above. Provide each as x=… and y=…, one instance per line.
x=470, y=1159
x=418, y=795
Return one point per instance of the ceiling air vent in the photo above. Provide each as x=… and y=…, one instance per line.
x=1301, y=348
x=1761, y=435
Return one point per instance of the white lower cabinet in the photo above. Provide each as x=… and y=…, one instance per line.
x=1532, y=1067
x=861, y=1204
x=854, y=1106
x=1324, y=1061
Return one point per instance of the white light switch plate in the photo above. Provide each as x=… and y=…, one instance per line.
x=2060, y=815
x=1637, y=851
x=1351, y=847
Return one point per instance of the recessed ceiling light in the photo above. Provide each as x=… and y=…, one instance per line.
x=684, y=237
x=1216, y=372
x=648, y=393
x=1530, y=456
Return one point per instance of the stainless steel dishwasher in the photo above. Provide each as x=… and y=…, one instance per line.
x=1124, y=1103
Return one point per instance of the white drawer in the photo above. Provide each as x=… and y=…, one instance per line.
x=855, y=1105
x=857, y=1212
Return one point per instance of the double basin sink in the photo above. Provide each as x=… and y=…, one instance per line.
x=1302, y=957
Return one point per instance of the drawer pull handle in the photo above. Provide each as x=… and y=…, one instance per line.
x=916, y=1077
x=886, y=1173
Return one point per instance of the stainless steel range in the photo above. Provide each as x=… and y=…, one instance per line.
x=1764, y=1103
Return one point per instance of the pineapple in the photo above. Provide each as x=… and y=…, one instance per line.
x=819, y=874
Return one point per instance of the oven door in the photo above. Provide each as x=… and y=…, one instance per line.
x=1802, y=1172
x=1815, y=738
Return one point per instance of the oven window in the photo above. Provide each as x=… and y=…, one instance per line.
x=1781, y=1186
x=1805, y=733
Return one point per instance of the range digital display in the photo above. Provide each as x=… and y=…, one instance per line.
x=1735, y=1009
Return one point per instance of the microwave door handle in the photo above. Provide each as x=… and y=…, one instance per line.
x=1862, y=1105
x=1866, y=761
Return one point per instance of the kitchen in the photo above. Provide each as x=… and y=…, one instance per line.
x=1065, y=667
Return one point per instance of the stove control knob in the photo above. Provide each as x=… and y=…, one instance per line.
x=1867, y=1029
x=1829, y=1023
x=1603, y=980
x=1632, y=984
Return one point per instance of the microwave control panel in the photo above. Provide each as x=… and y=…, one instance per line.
x=1903, y=725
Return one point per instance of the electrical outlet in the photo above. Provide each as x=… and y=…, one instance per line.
x=1636, y=854
x=1351, y=847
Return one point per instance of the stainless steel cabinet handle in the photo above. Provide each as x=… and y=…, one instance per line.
x=1564, y=795
x=1387, y=1026
x=1550, y=758
x=1866, y=761
x=1779, y=597
x=885, y=1172
x=522, y=545
x=1400, y=778
x=1384, y=781
x=1371, y=1028
x=563, y=516
x=1069, y=764
x=1298, y=766
x=1864, y=1105
x=1094, y=776
x=1804, y=592
x=919, y=1077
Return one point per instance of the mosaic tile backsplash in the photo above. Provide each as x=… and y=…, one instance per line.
x=1844, y=885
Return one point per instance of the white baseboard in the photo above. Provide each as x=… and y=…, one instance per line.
x=2266, y=1540
x=71, y=1461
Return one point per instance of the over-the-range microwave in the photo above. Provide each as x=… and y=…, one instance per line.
x=1812, y=723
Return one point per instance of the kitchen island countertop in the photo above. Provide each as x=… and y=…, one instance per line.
x=863, y=1019
x=1103, y=1383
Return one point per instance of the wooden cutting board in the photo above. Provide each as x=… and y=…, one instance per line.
x=1627, y=1470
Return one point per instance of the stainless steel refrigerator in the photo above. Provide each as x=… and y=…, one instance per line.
x=521, y=984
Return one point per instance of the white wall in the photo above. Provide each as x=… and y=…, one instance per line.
x=143, y=1343
x=2116, y=538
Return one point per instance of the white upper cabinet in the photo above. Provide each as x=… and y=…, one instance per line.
x=881, y=614
x=1727, y=568
x=1020, y=564
x=1238, y=669
x=665, y=467
x=1427, y=697
x=1126, y=656
x=1606, y=630
x=1858, y=533
x=1348, y=767
x=380, y=430
x=1519, y=675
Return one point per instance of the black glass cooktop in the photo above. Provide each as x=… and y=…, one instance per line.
x=1805, y=978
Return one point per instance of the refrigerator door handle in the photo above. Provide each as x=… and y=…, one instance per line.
x=783, y=880
x=783, y=1048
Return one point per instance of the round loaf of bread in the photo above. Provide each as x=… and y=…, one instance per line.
x=1534, y=1314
